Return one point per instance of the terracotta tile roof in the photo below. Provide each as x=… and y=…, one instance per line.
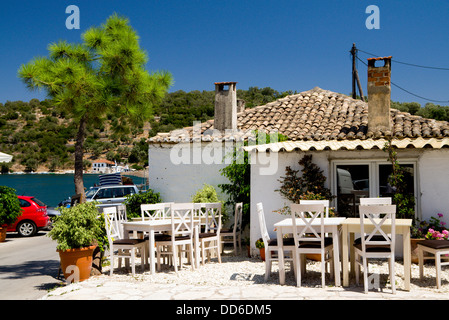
x=318, y=115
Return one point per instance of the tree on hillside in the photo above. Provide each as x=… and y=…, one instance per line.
x=106, y=72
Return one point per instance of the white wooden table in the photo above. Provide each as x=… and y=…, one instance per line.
x=151, y=227
x=331, y=225
x=352, y=226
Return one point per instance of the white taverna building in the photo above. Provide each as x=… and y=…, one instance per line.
x=345, y=137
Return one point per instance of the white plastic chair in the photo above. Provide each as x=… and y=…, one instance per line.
x=308, y=240
x=271, y=245
x=376, y=243
x=438, y=248
x=126, y=248
x=234, y=235
x=182, y=229
x=323, y=202
x=210, y=239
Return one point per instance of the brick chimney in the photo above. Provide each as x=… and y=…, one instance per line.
x=225, y=116
x=379, y=95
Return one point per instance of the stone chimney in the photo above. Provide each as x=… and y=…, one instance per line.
x=379, y=95
x=225, y=116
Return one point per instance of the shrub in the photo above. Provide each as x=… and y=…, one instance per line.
x=78, y=227
x=208, y=194
x=9, y=206
x=205, y=194
x=134, y=201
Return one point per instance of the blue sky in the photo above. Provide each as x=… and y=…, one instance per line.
x=285, y=45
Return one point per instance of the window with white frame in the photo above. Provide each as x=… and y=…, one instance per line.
x=355, y=179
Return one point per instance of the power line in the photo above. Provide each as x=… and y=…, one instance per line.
x=406, y=63
x=405, y=90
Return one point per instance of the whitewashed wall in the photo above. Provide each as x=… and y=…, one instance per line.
x=433, y=169
x=432, y=178
x=179, y=181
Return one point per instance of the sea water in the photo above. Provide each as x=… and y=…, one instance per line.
x=49, y=188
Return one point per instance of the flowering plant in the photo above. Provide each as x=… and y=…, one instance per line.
x=434, y=229
x=436, y=235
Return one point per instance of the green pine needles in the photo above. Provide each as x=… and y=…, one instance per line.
x=106, y=72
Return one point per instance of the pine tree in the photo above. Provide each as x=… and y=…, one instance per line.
x=105, y=73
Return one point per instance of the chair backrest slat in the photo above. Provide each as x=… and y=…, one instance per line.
x=323, y=202
x=182, y=219
x=213, y=217
x=111, y=223
x=377, y=215
x=375, y=201
x=308, y=213
x=153, y=211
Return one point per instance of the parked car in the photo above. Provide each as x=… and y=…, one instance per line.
x=33, y=218
x=110, y=194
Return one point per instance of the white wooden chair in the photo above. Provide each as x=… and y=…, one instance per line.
x=375, y=201
x=323, y=202
x=376, y=243
x=234, y=235
x=167, y=206
x=272, y=246
x=210, y=239
x=308, y=240
x=437, y=248
x=126, y=248
x=199, y=214
x=182, y=230
x=155, y=211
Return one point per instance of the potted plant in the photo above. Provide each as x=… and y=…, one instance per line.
x=77, y=232
x=261, y=246
x=434, y=229
x=9, y=209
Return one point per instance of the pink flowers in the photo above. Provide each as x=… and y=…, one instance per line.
x=436, y=235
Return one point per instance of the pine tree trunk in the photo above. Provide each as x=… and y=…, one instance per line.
x=79, y=152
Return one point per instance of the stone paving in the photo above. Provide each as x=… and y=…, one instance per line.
x=242, y=278
x=99, y=289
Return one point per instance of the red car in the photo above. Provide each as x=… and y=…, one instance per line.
x=33, y=218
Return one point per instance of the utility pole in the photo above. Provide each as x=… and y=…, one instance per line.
x=355, y=75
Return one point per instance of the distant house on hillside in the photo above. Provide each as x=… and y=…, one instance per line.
x=344, y=136
x=102, y=166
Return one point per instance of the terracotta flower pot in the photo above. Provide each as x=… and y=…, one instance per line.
x=262, y=254
x=76, y=264
x=3, y=233
x=414, y=249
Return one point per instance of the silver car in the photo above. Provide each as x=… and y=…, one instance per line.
x=110, y=195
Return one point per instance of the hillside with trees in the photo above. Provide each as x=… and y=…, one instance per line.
x=41, y=136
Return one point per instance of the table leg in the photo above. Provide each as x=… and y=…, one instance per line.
x=281, y=257
x=352, y=252
x=336, y=257
x=345, y=258
x=152, y=252
x=407, y=258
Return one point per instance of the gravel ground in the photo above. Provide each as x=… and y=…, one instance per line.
x=243, y=271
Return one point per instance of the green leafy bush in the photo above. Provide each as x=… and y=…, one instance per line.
x=9, y=206
x=78, y=227
x=205, y=194
x=208, y=194
x=134, y=201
